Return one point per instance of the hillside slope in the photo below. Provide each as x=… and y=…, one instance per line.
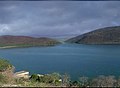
x=21, y=41
x=108, y=35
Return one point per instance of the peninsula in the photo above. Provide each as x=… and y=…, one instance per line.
x=107, y=35
x=9, y=41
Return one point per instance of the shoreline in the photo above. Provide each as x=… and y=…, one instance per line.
x=25, y=46
x=7, y=47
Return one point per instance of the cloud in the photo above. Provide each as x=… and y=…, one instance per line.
x=56, y=18
x=4, y=28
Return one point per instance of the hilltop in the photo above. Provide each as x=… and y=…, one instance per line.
x=9, y=41
x=107, y=35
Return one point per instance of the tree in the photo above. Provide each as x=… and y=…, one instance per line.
x=66, y=80
x=34, y=77
x=118, y=82
x=104, y=81
x=52, y=78
x=56, y=78
x=75, y=83
x=83, y=81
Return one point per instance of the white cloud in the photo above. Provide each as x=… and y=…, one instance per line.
x=4, y=28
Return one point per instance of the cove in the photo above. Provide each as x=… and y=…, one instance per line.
x=74, y=59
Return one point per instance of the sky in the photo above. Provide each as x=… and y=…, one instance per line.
x=61, y=19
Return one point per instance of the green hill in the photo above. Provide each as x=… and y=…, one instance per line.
x=108, y=35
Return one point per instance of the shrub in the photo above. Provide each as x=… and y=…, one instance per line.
x=66, y=80
x=52, y=79
x=104, y=81
x=34, y=77
x=4, y=64
x=3, y=79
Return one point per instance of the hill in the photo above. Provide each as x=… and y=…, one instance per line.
x=107, y=35
x=8, y=41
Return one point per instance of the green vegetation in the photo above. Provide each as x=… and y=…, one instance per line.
x=6, y=72
x=3, y=79
x=4, y=64
x=53, y=79
x=100, y=81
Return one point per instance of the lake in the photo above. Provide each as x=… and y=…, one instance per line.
x=74, y=59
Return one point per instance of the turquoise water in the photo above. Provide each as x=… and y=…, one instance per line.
x=76, y=60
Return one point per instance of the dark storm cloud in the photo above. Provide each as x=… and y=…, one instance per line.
x=60, y=18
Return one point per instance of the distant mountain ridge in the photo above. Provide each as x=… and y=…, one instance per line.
x=107, y=35
x=9, y=40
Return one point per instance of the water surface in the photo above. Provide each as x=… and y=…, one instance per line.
x=76, y=60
